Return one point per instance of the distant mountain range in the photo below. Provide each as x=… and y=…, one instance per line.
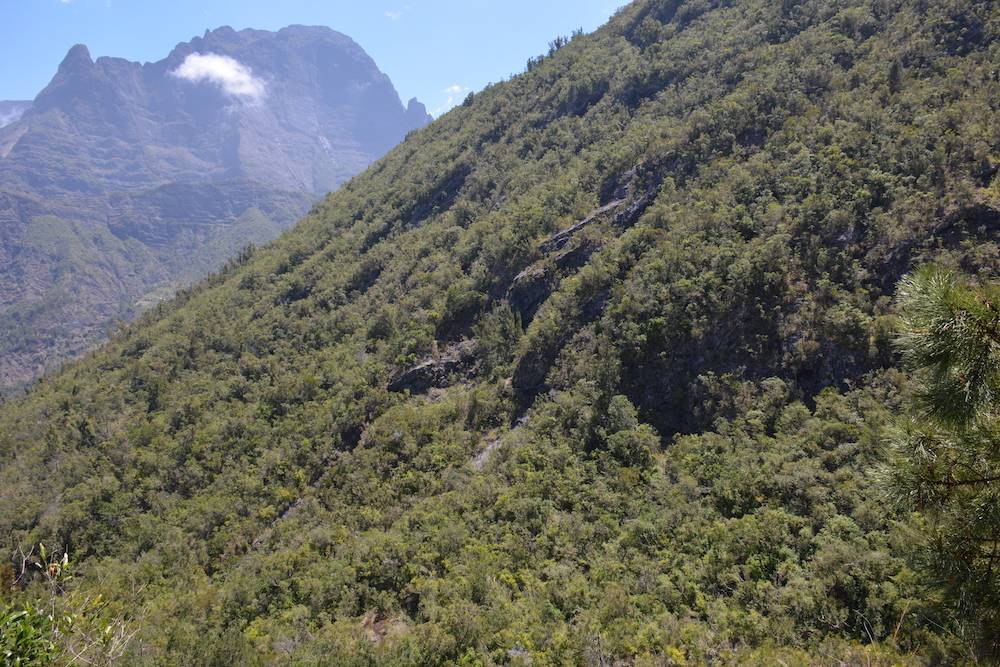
x=122, y=181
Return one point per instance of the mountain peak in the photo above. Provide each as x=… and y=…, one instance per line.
x=77, y=58
x=77, y=78
x=416, y=111
x=222, y=31
x=309, y=29
x=178, y=149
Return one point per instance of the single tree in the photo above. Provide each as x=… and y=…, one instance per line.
x=946, y=447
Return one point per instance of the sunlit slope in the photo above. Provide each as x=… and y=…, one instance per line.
x=591, y=368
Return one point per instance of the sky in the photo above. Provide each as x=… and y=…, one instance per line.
x=434, y=50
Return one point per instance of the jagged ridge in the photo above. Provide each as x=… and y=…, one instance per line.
x=169, y=167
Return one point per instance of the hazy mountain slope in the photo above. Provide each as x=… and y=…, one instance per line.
x=170, y=154
x=11, y=110
x=592, y=370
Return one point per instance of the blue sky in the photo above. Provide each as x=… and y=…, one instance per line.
x=435, y=50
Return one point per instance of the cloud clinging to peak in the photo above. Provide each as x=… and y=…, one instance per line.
x=233, y=77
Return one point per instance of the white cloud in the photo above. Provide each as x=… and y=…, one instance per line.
x=452, y=92
x=10, y=116
x=233, y=77
x=391, y=15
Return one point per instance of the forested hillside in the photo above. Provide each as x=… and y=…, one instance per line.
x=595, y=369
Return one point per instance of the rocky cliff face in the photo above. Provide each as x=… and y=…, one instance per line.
x=164, y=162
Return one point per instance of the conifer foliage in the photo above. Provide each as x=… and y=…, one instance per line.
x=947, y=446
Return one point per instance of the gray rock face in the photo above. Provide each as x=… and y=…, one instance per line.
x=301, y=109
x=226, y=140
x=437, y=371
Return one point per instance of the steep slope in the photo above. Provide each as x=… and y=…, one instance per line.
x=167, y=160
x=592, y=370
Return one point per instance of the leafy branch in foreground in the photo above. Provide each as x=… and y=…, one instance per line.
x=44, y=622
x=946, y=448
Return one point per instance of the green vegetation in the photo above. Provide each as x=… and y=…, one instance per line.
x=26, y=636
x=76, y=282
x=80, y=262
x=595, y=368
x=43, y=622
x=72, y=281
x=947, y=459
